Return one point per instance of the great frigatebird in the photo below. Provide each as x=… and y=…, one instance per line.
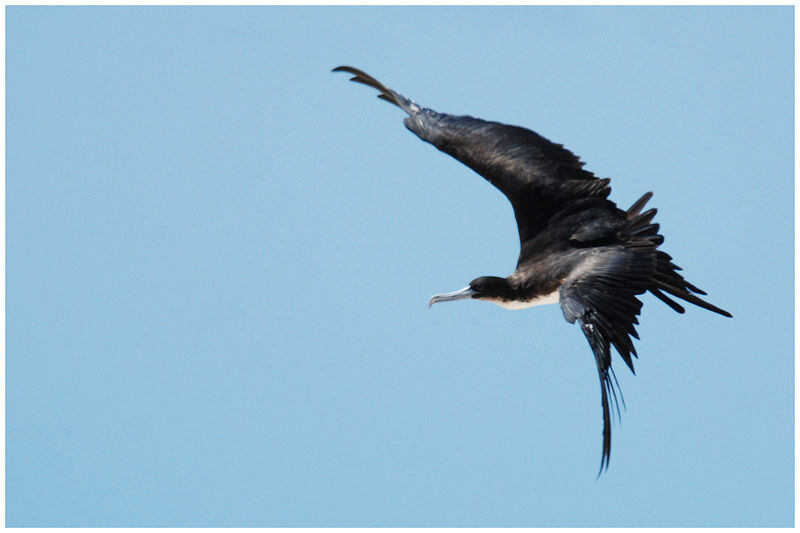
x=577, y=247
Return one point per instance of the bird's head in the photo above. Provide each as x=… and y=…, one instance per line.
x=484, y=288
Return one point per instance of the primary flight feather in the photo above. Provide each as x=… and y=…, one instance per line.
x=577, y=247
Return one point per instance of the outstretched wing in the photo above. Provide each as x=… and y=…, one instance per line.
x=536, y=175
x=601, y=293
x=604, y=302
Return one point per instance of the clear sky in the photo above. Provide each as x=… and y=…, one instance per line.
x=219, y=257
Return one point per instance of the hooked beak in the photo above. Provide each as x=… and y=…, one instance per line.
x=466, y=292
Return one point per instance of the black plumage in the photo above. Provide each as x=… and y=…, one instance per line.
x=576, y=246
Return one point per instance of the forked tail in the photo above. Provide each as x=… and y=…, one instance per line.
x=666, y=278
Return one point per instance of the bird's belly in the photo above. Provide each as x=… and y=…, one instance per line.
x=551, y=298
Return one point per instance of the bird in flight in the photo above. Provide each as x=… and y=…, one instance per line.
x=577, y=248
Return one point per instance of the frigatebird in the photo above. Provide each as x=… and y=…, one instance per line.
x=577, y=247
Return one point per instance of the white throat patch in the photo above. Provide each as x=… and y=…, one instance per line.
x=551, y=298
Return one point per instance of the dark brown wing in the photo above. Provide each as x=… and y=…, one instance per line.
x=536, y=175
x=604, y=302
x=602, y=292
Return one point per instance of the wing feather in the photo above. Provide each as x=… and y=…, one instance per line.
x=535, y=174
x=604, y=303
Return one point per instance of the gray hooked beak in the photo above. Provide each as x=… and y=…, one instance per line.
x=466, y=292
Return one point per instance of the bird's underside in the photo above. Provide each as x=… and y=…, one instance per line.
x=576, y=246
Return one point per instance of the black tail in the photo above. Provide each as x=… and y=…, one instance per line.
x=387, y=94
x=666, y=278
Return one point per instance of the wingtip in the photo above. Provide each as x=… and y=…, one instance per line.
x=351, y=70
x=603, y=466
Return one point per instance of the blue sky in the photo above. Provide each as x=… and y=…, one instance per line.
x=219, y=257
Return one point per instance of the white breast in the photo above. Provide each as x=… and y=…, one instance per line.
x=551, y=298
